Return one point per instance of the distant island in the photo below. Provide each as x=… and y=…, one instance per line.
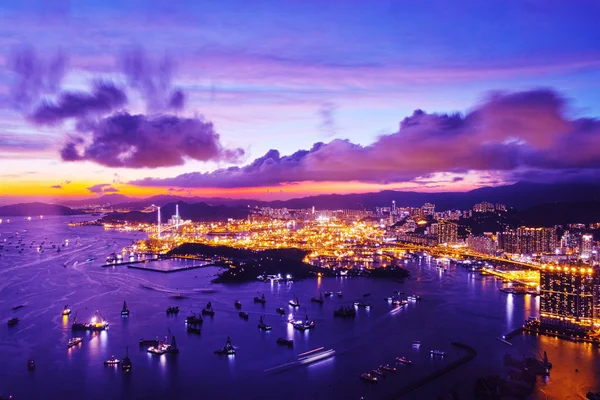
x=36, y=209
x=196, y=212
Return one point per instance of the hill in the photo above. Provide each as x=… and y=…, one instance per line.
x=32, y=209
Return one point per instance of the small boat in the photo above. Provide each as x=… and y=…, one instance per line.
x=280, y=311
x=193, y=329
x=438, y=353
x=339, y=294
x=74, y=342
x=404, y=360
x=158, y=350
x=295, y=302
x=303, y=325
x=243, y=315
x=126, y=363
x=17, y=307
x=387, y=367
x=366, y=294
x=368, y=377
x=237, y=304
x=315, y=299
x=328, y=294
x=261, y=299
x=194, y=319
x=173, y=310
x=377, y=371
x=113, y=361
x=262, y=326
x=13, y=321
x=30, y=365
x=125, y=310
x=362, y=305
x=228, y=349
x=416, y=344
x=149, y=342
x=66, y=310
x=285, y=342
x=412, y=298
x=388, y=298
x=208, y=310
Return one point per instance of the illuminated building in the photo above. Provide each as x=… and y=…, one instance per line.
x=428, y=209
x=526, y=240
x=586, y=246
x=447, y=232
x=568, y=295
x=484, y=207
x=500, y=207
x=485, y=244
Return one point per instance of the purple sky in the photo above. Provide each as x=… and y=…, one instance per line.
x=236, y=95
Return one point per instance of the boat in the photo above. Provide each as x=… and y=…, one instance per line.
x=159, y=350
x=404, y=360
x=366, y=294
x=412, y=298
x=126, y=363
x=13, y=321
x=74, y=342
x=328, y=294
x=339, y=294
x=285, y=342
x=345, y=312
x=377, y=371
x=295, y=302
x=194, y=319
x=303, y=325
x=315, y=299
x=261, y=299
x=66, y=310
x=388, y=298
x=237, y=304
x=148, y=342
x=173, y=349
x=193, y=329
x=280, y=310
x=89, y=260
x=368, y=377
x=208, y=310
x=113, y=361
x=18, y=307
x=362, y=305
x=173, y=310
x=387, y=367
x=30, y=365
x=97, y=323
x=263, y=326
x=243, y=315
x=228, y=349
x=438, y=353
x=416, y=344
x=125, y=310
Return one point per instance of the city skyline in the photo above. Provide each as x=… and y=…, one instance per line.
x=284, y=99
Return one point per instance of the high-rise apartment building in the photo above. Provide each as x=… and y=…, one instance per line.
x=526, y=240
x=484, y=207
x=485, y=244
x=447, y=232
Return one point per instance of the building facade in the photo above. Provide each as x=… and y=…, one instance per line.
x=524, y=240
x=447, y=232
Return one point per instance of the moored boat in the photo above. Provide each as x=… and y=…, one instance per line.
x=294, y=303
x=377, y=371
x=112, y=361
x=243, y=314
x=285, y=342
x=126, y=363
x=194, y=320
x=237, y=304
x=440, y=353
x=315, y=299
x=387, y=367
x=339, y=294
x=404, y=360
x=66, y=310
x=328, y=294
x=262, y=326
x=260, y=299
x=125, y=310
x=13, y=321
x=74, y=342
x=173, y=310
x=368, y=377
x=228, y=349
x=30, y=365
x=208, y=310
x=280, y=310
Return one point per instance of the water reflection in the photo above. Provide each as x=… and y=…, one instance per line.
x=510, y=298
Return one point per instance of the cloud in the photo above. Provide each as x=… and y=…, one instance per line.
x=458, y=179
x=56, y=187
x=139, y=141
x=177, y=100
x=105, y=97
x=101, y=188
x=33, y=75
x=327, y=115
x=506, y=132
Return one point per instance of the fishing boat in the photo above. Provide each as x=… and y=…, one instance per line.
x=285, y=342
x=194, y=320
x=74, y=342
x=303, y=325
x=244, y=315
x=112, y=361
x=377, y=371
x=126, y=363
x=173, y=310
x=237, y=304
x=228, y=349
x=193, y=329
x=387, y=367
x=97, y=323
x=260, y=299
x=404, y=360
x=316, y=299
x=438, y=353
x=294, y=303
x=208, y=310
x=13, y=321
x=66, y=310
x=280, y=311
x=125, y=310
x=368, y=377
x=262, y=326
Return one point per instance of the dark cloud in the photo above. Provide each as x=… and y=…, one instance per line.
x=101, y=188
x=56, y=187
x=34, y=75
x=177, y=100
x=327, y=115
x=506, y=132
x=105, y=97
x=139, y=141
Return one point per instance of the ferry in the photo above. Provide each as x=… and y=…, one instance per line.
x=208, y=310
x=228, y=349
x=368, y=377
x=13, y=321
x=280, y=310
x=113, y=361
x=173, y=310
x=404, y=360
x=125, y=310
x=438, y=353
x=316, y=299
x=126, y=363
x=387, y=367
x=237, y=304
x=243, y=315
x=261, y=299
x=285, y=342
x=262, y=326
x=294, y=303
x=74, y=342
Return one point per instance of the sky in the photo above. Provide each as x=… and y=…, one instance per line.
x=283, y=99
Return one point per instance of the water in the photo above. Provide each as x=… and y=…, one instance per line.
x=456, y=306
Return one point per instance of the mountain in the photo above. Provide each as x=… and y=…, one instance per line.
x=196, y=212
x=33, y=209
x=99, y=201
